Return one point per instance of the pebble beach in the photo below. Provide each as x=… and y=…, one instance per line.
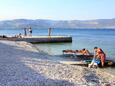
x=22, y=64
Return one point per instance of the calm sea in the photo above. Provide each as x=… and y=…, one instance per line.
x=82, y=38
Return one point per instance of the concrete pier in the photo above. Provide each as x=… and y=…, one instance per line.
x=41, y=39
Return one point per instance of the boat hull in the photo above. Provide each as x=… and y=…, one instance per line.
x=108, y=63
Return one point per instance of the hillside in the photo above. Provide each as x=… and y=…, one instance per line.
x=40, y=23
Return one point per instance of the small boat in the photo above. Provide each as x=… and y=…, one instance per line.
x=86, y=56
x=83, y=59
x=76, y=54
x=108, y=63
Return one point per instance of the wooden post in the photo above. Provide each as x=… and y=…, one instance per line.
x=49, y=31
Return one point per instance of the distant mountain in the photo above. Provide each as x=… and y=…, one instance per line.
x=40, y=23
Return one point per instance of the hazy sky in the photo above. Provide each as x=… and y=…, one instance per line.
x=57, y=9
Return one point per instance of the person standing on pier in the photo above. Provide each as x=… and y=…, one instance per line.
x=25, y=31
x=30, y=31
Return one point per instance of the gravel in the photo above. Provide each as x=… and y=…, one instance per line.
x=21, y=64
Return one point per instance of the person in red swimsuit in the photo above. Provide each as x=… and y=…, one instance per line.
x=100, y=54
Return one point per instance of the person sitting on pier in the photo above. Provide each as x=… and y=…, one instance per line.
x=19, y=35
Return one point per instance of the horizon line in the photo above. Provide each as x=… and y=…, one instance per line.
x=53, y=19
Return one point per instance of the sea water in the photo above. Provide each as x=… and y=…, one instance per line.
x=81, y=38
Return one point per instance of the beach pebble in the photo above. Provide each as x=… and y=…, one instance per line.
x=25, y=66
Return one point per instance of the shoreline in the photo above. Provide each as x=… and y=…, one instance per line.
x=23, y=64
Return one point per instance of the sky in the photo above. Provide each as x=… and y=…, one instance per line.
x=57, y=9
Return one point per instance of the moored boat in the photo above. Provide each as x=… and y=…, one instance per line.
x=108, y=63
